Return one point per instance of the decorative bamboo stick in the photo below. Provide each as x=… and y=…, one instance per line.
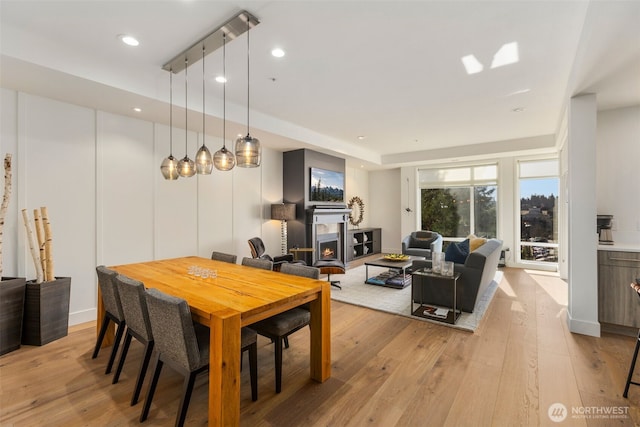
x=34, y=253
x=37, y=219
x=5, y=200
x=48, y=245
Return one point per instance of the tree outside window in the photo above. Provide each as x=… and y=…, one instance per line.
x=448, y=211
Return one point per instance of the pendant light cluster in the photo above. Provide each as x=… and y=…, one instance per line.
x=247, y=150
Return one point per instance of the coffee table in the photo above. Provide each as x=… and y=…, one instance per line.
x=395, y=265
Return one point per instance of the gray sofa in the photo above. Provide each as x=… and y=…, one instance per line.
x=477, y=273
x=422, y=243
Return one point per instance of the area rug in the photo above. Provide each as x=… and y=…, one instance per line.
x=398, y=301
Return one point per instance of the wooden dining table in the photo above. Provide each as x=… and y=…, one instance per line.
x=238, y=296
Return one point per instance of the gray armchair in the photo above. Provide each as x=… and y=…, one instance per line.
x=422, y=243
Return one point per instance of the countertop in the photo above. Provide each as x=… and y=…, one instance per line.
x=621, y=247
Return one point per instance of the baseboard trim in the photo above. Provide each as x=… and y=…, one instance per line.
x=583, y=327
x=83, y=316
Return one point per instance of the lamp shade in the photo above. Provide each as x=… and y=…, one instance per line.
x=283, y=211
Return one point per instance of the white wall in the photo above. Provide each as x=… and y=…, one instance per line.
x=386, y=207
x=617, y=165
x=99, y=176
x=357, y=184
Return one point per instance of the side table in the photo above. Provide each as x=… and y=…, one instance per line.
x=296, y=252
x=425, y=277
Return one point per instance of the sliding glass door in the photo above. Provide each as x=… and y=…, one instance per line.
x=538, y=185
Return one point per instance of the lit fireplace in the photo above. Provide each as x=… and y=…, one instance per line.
x=328, y=248
x=327, y=232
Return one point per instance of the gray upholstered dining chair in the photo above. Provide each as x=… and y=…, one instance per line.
x=221, y=256
x=134, y=307
x=264, y=264
x=279, y=327
x=184, y=346
x=112, y=313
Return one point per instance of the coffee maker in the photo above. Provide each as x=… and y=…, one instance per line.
x=605, y=236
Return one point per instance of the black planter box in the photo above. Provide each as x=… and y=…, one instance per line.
x=11, y=309
x=46, y=311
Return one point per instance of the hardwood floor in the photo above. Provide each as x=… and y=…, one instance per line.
x=387, y=371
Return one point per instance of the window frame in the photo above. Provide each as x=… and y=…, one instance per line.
x=472, y=182
x=518, y=215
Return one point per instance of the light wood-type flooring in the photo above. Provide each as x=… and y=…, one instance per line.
x=387, y=371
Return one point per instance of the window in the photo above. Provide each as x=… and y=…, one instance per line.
x=538, y=193
x=457, y=202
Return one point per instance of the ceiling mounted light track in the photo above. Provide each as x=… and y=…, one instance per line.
x=234, y=27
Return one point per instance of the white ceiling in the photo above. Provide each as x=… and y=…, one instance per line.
x=388, y=70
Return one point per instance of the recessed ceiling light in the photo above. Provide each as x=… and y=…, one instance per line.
x=137, y=109
x=277, y=52
x=507, y=54
x=361, y=137
x=128, y=40
x=471, y=64
x=519, y=92
x=518, y=110
x=221, y=79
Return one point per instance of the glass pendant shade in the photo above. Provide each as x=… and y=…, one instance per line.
x=204, y=163
x=248, y=152
x=186, y=167
x=224, y=159
x=169, y=168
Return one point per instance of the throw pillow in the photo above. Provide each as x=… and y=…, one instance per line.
x=476, y=243
x=422, y=234
x=422, y=243
x=457, y=252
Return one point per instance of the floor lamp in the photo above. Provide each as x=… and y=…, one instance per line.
x=283, y=212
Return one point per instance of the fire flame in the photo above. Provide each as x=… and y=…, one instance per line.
x=327, y=253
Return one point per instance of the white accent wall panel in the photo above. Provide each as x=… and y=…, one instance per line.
x=125, y=167
x=248, y=210
x=56, y=145
x=176, y=202
x=215, y=214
